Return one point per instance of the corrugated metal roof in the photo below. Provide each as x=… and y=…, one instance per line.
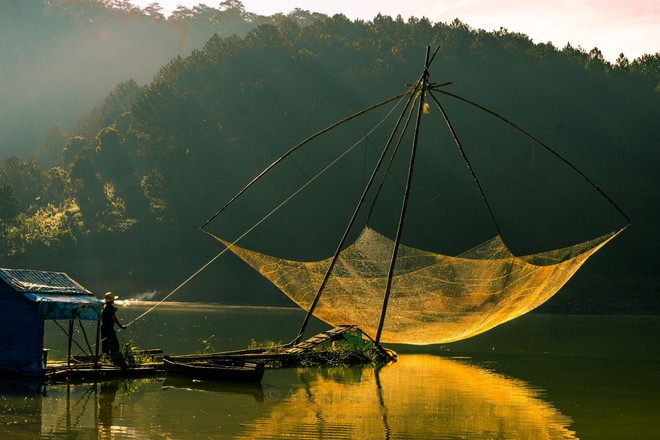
x=38, y=281
x=67, y=306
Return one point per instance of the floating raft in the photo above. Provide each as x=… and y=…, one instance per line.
x=287, y=356
x=329, y=335
x=84, y=368
x=61, y=373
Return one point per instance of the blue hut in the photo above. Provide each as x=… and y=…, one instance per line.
x=27, y=299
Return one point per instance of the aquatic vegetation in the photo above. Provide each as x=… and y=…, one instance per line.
x=327, y=348
x=129, y=356
x=206, y=345
x=267, y=345
x=341, y=353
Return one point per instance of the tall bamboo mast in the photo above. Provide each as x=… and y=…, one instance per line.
x=351, y=222
x=422, y=85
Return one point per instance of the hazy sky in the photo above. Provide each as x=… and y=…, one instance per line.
x=614, y=26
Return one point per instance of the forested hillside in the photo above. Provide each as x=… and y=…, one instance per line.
x=133, y=180
x=61, y=57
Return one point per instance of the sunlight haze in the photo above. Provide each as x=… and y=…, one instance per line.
x=614, y=27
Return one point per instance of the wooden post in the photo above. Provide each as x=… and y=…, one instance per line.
x=68, y=356
x=98, y=342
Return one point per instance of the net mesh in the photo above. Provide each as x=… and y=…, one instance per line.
x=434, y=298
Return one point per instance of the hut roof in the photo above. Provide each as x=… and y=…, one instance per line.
x=39, y=281
x=58, y=295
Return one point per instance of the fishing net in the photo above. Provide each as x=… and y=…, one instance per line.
x=434, y=298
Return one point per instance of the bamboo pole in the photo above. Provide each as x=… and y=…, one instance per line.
x=467, y=162
x=539, y=143
x=351, y=222
x=404, y=203
x=296, y=147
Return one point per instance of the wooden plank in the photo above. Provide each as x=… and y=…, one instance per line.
x=320, y=338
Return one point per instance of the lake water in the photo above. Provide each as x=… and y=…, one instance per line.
x=538, y=377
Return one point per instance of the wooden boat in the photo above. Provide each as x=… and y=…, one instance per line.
x=214, y=368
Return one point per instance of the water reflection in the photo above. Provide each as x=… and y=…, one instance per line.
x=107, y=396
x=20, y=408
x=420, y=396
x=255, y=390
x=611, y=394
x=96, y=410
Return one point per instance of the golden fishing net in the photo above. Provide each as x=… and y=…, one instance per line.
x=434, y=298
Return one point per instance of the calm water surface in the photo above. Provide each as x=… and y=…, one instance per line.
x=538, y=377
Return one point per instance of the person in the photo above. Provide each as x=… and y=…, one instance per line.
x=109, y=341
x=106, y=400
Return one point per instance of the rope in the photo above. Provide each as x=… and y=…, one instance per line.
x=309, y=182
x=309, y=139
x=396, y=181
x=538, y=142
x=390, y=162
x=467, y=162
x=70, y=337
x=177, y=288
x=85, y=335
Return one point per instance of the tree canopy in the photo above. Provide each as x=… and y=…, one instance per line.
x=120, y=193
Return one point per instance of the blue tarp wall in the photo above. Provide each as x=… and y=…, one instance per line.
x=22, y=330
x=27, y=298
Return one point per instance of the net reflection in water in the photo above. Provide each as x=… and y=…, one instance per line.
x=420, y=396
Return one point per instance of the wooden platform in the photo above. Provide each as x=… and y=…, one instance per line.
x=286, y=356
x=85, y=367
x=60, y=372
x=332, y=334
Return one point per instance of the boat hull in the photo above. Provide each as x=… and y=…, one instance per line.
x=215, y=369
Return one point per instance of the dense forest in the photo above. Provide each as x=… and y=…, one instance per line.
x=61, y=57
x=116, y=198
